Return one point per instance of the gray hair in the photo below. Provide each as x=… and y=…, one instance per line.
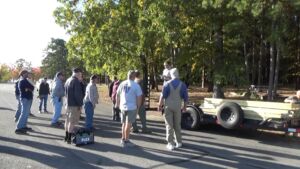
x=174, y=73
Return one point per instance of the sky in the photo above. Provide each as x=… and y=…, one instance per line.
x=26, y=28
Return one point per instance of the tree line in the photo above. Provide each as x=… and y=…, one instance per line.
x=220, y=42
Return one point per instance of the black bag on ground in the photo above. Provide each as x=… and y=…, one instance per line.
x=82, y=137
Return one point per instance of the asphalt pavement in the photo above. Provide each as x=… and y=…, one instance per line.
x=210, y=147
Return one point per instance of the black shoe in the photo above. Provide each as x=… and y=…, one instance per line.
x=135, y=131
x=20, y=131
x=66, y=136
x=69, y=138
x=45, y=111
x=27, y=128
x=32, y=115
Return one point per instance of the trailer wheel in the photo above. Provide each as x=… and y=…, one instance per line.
x=191, y=118
x=230, y=115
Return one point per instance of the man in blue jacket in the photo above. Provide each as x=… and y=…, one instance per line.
x=57, y=94
x=26, y=96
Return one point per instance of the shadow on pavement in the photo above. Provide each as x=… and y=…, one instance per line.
x=62, y=158
x=7, y=108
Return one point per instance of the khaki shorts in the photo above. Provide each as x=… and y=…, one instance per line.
x=128, y=116
x=73, y=114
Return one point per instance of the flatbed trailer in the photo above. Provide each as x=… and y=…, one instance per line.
x=233, y=114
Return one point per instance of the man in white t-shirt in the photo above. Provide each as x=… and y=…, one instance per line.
x=129, y=99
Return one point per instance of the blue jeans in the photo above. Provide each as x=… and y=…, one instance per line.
x=18, y=111
x=89, y=113
x=43, y=98
x=25, y=110
x=57, y=104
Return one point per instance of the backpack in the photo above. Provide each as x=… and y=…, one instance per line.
x=83, y=137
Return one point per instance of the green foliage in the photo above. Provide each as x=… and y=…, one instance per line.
x=55, y=58
x=5, y=73
x=109, y=36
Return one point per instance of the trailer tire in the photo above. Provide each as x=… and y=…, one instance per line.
x=230, y=115
x=191, y=118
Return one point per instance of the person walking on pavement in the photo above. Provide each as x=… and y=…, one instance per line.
x=57, y=94
x=17, y=94
x=174, y=91
x=129, y=99
x=113, y=87
x=74, y=94
x=44, y=91
x=90, y=101
x=26, y=96
x=142, y=110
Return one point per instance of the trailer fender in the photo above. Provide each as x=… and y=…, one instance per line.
x=230, y=115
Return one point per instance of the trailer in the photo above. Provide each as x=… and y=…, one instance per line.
x=232, y=114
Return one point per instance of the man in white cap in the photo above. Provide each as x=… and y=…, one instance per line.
x=173, y=93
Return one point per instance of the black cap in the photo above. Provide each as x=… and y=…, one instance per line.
x=59, y=74
x=93, y=77
x=23, y=72
x=77, y=70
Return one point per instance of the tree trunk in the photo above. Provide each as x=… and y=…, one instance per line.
x=278, y=55
x=271, y=73
x=145, y=73
x=246, y=61
x=297, y=87
x=261, y=53
x=202, y=77
x=253, y=64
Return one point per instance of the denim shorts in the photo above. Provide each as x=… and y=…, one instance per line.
x=128, y=116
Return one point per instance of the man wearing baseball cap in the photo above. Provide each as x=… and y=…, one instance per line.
x=26, y=96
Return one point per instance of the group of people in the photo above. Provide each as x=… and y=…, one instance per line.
x=76, y=98
x=128, y=101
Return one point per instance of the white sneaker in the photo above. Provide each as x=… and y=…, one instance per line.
x=178, y=145
x=122, y=143
x=170, y=146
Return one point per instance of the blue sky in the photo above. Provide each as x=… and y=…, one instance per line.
x=27, y=27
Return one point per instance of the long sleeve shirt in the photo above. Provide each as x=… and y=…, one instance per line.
x=91, y=94
x=26, y=89
x=58, y=89
x=73, y=91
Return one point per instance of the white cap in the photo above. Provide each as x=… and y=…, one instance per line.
x=174, y=73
